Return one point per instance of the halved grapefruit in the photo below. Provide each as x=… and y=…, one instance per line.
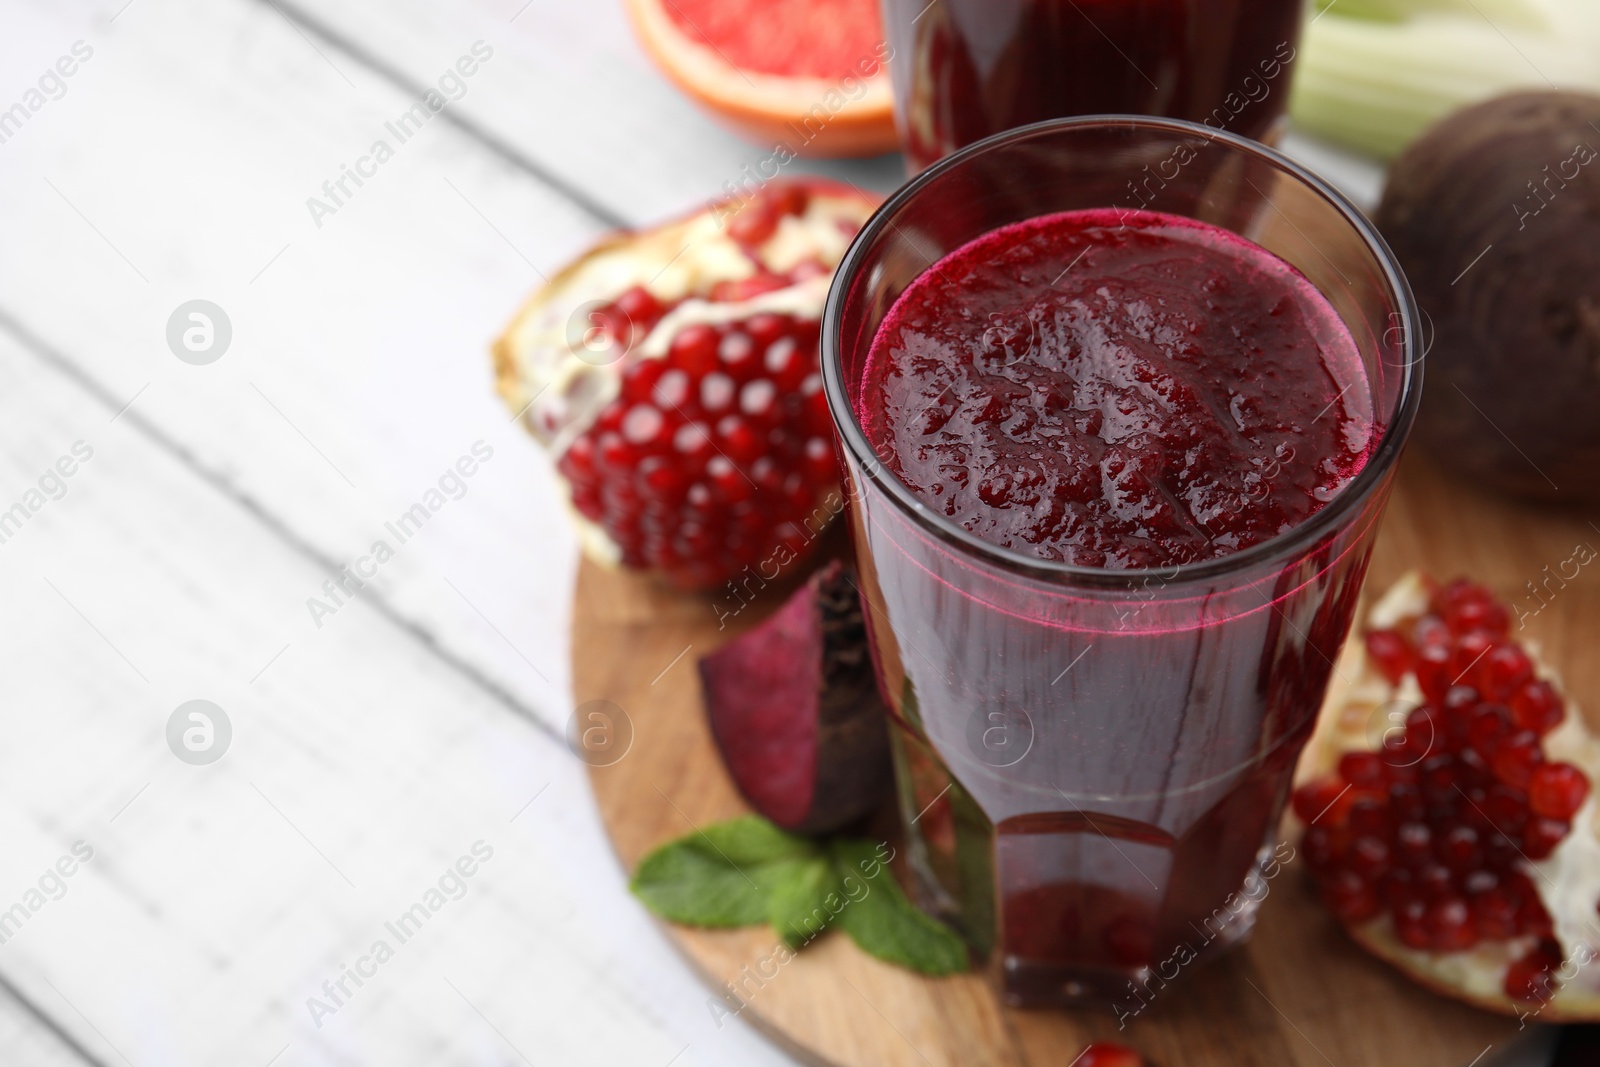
x=804, y=76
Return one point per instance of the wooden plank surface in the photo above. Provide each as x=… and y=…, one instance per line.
x=177, y=165
x=170, y=170
x=1300, y=993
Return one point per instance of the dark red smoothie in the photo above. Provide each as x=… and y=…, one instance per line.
x=1117, y=389
x=1135, y=392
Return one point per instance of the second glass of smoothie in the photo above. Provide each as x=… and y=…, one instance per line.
x=965, y=69
x=1116, y=451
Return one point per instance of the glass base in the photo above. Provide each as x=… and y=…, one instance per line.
x=1127, y=991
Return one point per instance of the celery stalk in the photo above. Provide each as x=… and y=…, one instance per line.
x=1373, y=74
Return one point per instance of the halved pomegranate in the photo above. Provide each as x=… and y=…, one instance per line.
x=672, y=375
x=1449, y=819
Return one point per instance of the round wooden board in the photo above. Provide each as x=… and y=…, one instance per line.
x=1300, y=993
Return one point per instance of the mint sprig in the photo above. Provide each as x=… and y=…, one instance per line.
x=746, y=871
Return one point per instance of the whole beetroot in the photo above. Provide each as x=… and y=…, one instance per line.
x=1494, y=214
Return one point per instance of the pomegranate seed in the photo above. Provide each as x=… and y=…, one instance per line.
x=1480, y=614
x=1532, y=977
x=1541, y=836
x=694, y=350
x=788, y=198
x=1369, y=858
x=614, y=453
x=747, y=288
x=671, y=391
x=1439, y=778
x=1557, y=790
x=1317, y=843
x=821, y=464
x=640, y=376
x=579, y=457
x=1515, y=758
x=1349, y=898
x=1464, y=604
x=698, y=502
x=1488, y=724
x=1504, y=671
x=644, y=428
x=1390, y=654
x=787, y=365
x=1368, y=815
x=1434, y=881
x=753, y=223
x=1107, y=1054
x=1396, y=886
x=1364, y=770
x=1501, y=850
x=739, y=356
x=1313, y=799
x=662, y=480
x=737, y=441
x=1494, y=915
x=730, y=485
x=1411, y=924
x=1538, y=707
x=1433, y=671
x=716, y=393
x=1406, y=802
x=692, y=442
x=1413, y=843
x=1466, y=660
x=1459, y=849
x=1459, y=703
x=1473, y=770
x=1532, y=919
x=1422, y=730
x=1506, y=808
x=765, y=328
x=1449, y=922
x=758, y=400
x=639, y=309
x=1430, y=631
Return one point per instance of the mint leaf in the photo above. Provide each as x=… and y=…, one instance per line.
x=722, y=875
x=750, y=839
x=686, y=883
x=884, y=923
x=798, y=905
x=746, y=871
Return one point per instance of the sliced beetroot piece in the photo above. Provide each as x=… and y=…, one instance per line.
x=795, y=710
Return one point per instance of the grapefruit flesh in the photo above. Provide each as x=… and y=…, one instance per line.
x=806, y=76
x=793, y=38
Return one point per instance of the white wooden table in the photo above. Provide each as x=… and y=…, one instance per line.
x=373, y=747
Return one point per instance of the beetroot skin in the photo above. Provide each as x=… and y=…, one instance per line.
x=795, y=710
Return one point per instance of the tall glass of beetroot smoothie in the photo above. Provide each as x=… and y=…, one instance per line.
x=1119, y=401
x=965, y=69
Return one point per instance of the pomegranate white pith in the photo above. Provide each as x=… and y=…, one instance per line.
x=1560, y=936
x=672, y=376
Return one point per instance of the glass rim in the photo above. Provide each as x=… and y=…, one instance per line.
x=1328, y=518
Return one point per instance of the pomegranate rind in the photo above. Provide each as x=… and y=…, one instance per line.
x=1352, y=720
x=557, y=394
x=811, y=116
